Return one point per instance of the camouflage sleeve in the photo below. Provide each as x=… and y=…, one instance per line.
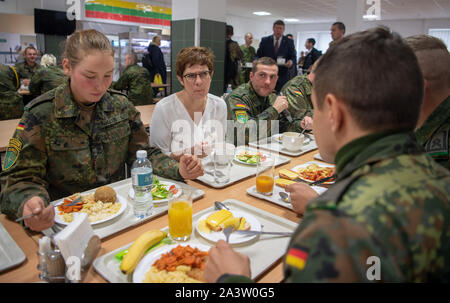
x=36, y=83
x=299, y=106
x=328, y=247
x=240, y=112
x=122, y=83
x=162, y=164
x=24, y=167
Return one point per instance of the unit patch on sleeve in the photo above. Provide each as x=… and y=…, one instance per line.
x=12, y=153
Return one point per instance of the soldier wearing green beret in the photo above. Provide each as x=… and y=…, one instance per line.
x=136, y=81
x=387, y=217
x=77, y=137
x=11, y=103
x=48, y=77
x=433, y=127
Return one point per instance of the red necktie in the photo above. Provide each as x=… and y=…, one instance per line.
x=276, y=46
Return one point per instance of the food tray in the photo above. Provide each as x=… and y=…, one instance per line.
x=319, y=157
x=10, y=253
x=274, y=146
x=128, y=219
x=263, y=251
x=241, y=171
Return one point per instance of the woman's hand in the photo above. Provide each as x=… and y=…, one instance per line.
x=190, y=167
x=44, y=216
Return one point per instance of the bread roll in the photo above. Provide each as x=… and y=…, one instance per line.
x=105, y=194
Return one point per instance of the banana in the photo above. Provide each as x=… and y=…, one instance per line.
x=138, y=249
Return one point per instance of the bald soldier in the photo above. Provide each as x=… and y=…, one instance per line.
x=11, y=103
x=136, y=81
x=433, y=127
x=387, y=217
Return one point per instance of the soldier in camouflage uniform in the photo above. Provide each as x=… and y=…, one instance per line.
x=233, y=59
x=433, y=128
x=29, y=67
x=136, y=80
x=77, y=137
x=11, y=104
x=387, y=217
x=255, y=101
x=248, y=55
x=46, y=79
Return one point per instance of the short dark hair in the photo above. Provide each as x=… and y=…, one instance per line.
x=376, y=75
x=311, y=40
x=229, y=30
x=289, y=35
x=29, y=47
x=340, y=25
x=189, y=56
x=263, y=61
x=279, y=22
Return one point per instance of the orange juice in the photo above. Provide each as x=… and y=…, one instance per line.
x=180, y=219
x=264, y=184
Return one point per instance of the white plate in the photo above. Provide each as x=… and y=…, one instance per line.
x=295, y=169
x=253, y=152
x=146, y=263
x=167, y=184
x=279, y=137
x=215, y=236
x=59, y=219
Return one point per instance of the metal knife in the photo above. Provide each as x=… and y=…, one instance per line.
x=256, y=232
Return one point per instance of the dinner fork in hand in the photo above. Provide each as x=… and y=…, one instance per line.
x=74, y=202
x=227, y=231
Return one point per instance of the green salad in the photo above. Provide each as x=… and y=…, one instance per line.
x=250, y=158
x=160, y=190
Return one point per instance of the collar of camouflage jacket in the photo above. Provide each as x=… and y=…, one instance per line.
x=434, y=121
x=261, y=100
x=66, y=106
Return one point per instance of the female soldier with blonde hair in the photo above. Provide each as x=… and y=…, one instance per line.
x=77, y=137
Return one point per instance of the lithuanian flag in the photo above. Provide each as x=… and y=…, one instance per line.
x=128, y=12
x=297, y=256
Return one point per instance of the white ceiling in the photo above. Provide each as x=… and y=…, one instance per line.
x=316, y=11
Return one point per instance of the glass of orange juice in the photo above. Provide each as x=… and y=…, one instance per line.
x=264, y=176
x=180, y=216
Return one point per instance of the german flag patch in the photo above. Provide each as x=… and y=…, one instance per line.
x=21, y=126
x=297, y=92
x=297, y=256
x=241, y=105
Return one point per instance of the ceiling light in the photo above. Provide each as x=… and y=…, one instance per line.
x=291, y=20
x=262, y=13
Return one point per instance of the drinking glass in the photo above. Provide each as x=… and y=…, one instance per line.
x=180, y=216
x=222, y=155
x=265, y=176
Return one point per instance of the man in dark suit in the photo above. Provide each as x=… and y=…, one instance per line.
x=312, y=56
x=281, y=49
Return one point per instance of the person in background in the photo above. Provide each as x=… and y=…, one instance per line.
x=248, y=55
x=29, y=67
x=281, y=49
x=48, y=77
x=233, y=59
x=312, y=56
x=11, y=104
x=255, y=100
x=77, y=137
x=337, y=32
x=157, y=59
x=301, y=62
x=191, y=120
x=433, y=127
x=136, y=81
x=387, y=217
x=293, y=69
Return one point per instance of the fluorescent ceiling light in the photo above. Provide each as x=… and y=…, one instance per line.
x=291, y=20
x=262, y=13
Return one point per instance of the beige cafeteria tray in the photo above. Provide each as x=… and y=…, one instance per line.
x=127, y=218
x=275, y=146
x=10, y=253
x=241, y=171
x=263, y=251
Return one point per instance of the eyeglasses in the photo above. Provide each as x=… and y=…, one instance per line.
x=193, y=76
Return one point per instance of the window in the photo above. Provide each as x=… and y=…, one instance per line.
x=443, y=34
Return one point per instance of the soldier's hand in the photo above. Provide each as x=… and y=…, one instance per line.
x=190, y=167
x=301, y=194
x=280, y=104
x=224, y=260
x=26, y=82
x=44, y=216
x=307, y=123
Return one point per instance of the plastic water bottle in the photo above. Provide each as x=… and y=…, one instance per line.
x=142, y=180
x=229, y=89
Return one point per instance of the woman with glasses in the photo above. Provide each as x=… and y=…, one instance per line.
x=191, y=120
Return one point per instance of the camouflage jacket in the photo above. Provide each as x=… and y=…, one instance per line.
x=55, y=153
x=25, y=71
x=11, y=103
x=136, y=81
x=248, y=55
x=434, y=134
x=387, y=217
x=45, y=79
x=247, y=108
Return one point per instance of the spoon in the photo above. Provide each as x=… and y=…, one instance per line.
x=285, y=197
x=219, y=205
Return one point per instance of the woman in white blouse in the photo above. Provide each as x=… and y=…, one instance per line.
x=192, y=120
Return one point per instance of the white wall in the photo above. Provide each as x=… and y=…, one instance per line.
x=241, y=26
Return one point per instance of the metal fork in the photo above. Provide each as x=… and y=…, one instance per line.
x=227, y=231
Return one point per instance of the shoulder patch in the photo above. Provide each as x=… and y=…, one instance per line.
x=241, y=116
x=12, y=153
x=297, y=256
x=438, y=145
